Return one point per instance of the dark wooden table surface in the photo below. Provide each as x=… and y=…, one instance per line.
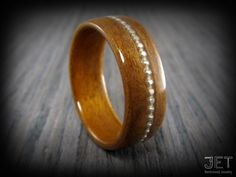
x=42, y=130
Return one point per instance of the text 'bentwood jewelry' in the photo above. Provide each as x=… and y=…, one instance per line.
x=142, y=74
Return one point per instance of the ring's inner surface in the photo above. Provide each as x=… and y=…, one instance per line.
x=89, y=88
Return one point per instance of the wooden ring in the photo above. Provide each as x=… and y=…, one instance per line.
x=142, y=74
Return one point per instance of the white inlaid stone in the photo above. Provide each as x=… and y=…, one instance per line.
x=143, y=53
x=123, y=23
x=143, y=59
x=134, y=35
x=151, y=91
x=151, y=99
x=131, y=31
x=145, y=136
x=147, y=70
x=136, y=38
x=127, y=26
x=150, y=117
x=147, y=130
x=149, y=124
x=150, y=81
x=146, y=62
x=140, y=45
x=151, y=108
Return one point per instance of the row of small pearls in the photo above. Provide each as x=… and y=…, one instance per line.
x=147, y=72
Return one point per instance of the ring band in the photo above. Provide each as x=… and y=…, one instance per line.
x=141, y=72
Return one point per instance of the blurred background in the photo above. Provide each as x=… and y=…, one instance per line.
x=41, y=132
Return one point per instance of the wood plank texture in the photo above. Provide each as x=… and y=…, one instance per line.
x=42, y=129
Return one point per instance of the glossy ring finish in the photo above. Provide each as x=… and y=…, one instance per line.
x=142, y=75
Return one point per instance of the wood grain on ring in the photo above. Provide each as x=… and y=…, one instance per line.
x=87, y=82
